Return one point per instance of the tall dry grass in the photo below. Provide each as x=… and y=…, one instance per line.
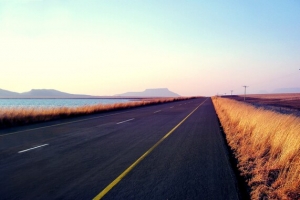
x=21, y=116
x=267, y=146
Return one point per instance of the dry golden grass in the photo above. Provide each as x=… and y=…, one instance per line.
x=20, y=116
x=291, y=101
x=267, y=146
x=282, y=96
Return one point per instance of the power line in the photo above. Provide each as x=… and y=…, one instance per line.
x=245, y=86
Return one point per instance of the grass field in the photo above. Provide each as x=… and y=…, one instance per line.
x=280, y=100
x=266, y=145
x=10, y=117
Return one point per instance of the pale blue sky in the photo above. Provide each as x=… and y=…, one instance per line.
x=111, y=47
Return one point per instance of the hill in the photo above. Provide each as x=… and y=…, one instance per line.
x=40, y=93
x=287, y=90
x=158, y=92
x=50, y=93
x=8, y=94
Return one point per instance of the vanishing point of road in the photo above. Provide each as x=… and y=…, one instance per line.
x=166, y=151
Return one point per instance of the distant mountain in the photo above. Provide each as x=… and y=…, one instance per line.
x=6, y=93
x=45, y=92
x=262, y=92
x=50, y=93
x=287, y=90
x=40, y=93
x=158, y=92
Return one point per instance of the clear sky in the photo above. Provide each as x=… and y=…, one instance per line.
x=109, y=47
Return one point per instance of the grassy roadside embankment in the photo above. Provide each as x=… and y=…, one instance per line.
x=266, y=145
x=10, y=117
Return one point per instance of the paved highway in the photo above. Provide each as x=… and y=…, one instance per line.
x=167, y=151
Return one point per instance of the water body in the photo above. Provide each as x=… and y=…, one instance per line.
x=49, y=103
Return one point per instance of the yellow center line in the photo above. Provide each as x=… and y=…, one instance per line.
x=121, y=176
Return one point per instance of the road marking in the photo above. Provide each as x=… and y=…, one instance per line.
x=172, y=107
x=125, y=121
x=157, y=111
x=33, y=148
x=121, y=176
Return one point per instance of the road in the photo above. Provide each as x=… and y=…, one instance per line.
x=78, y=158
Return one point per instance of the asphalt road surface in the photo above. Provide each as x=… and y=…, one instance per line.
x=82, y=158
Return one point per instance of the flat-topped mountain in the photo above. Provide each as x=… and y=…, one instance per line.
x=158, y=92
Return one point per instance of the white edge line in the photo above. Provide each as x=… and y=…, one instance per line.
x=125, y=121
x=157, y=111
x=33, y=148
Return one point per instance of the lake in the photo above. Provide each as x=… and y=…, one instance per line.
x=46, y=103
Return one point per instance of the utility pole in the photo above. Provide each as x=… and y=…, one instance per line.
x=245, y=86
x=231, y=92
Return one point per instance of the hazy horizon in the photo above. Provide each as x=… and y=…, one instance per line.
x=111, y=47
x=276, y=91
